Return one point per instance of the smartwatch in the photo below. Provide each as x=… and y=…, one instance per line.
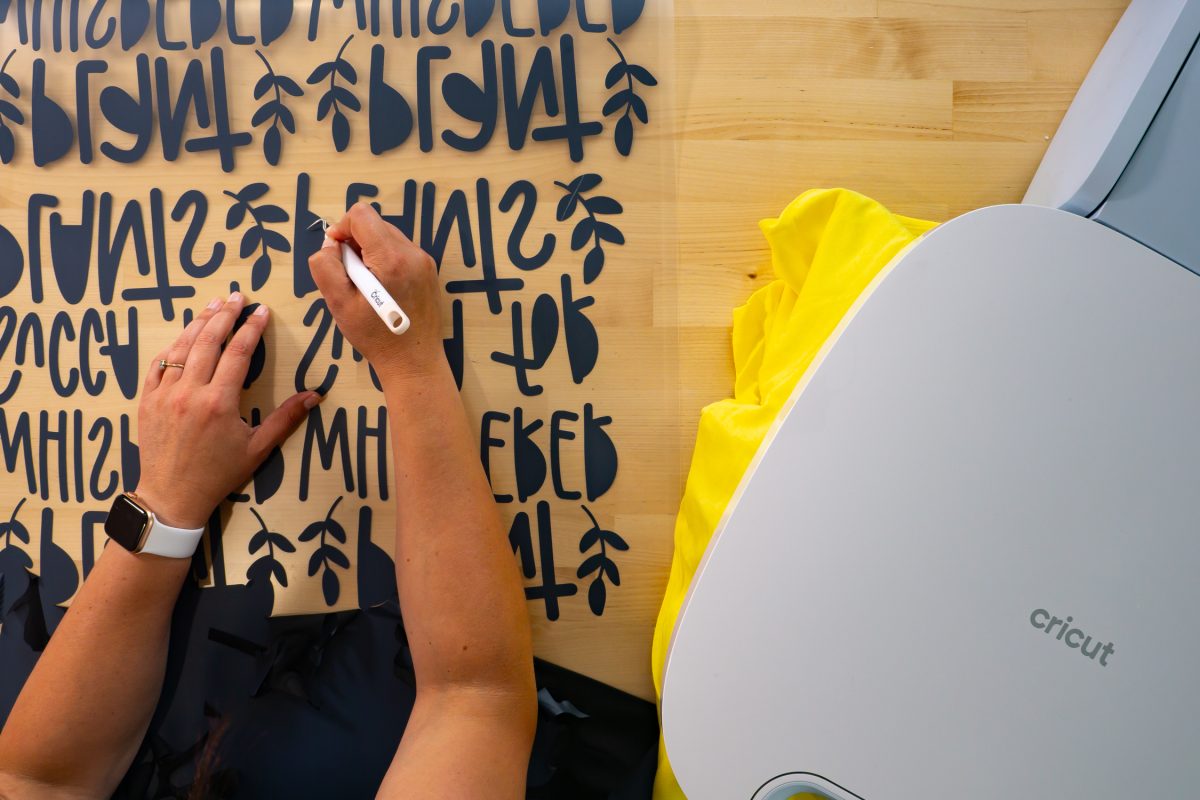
x=134, y=527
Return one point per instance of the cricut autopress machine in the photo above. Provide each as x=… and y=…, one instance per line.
x=964, y=563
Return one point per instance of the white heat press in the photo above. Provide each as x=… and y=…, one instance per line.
x=964, y=563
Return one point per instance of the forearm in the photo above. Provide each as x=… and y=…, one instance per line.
x=84, y=710
x=460, y=591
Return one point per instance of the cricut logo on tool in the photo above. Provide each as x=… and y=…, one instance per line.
x=1071, y=637
x=378, y=300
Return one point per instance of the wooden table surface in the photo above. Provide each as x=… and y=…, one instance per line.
x=932, y=107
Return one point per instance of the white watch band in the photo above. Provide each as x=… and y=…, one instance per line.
x=163, y=540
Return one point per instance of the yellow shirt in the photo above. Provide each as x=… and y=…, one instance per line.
x=826, y=247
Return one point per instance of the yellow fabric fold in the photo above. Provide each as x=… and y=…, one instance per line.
x=826, y=247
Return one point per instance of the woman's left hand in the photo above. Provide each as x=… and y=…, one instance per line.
x=195, y=447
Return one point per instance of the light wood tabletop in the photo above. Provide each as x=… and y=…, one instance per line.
x=932, y=107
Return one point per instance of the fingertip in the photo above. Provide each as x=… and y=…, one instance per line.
x=312, y=400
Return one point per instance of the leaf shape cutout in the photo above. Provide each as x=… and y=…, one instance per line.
x=258, y=541
x=589, y=539
x=10, y=85
x=260, y=273
x=639, y=108
x=344, y=97
x=253, y=191
x=335, y=529
x=642, y=75
x=289, y=86
x=613, y=539
x=617, y=102
x=603, y=205
x=324, y=106
x=582, y=233
x=13, y=113
x=279, y=572
x=593, y=265
x=567, y=206
x=337, y=557
x=597, y=596
x=19, y=530
x=276, y=241
x=623, y=136
x=312, y=531
x=250, y=241
x=321, y=72
x=346, y=70
x=590, y=564
x=235, y=216
x=609, y=233
x=615, y=75
x=271, y=213
x=330, y=587
x=587, y=182
x=281, y=542
x=286, y=119
x=272, y=145
x=341, y=131
x=265, y=112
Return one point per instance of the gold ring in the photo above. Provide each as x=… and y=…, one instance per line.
x=163, y=364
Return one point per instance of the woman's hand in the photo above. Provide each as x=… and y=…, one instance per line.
x=409, y=275
x=195, y=447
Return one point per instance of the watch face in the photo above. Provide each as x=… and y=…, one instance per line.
x=126, y=523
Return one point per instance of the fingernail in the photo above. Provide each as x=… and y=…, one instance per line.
x=312, y=400
x=215, y=303
x=261, y=311
x=328, y=243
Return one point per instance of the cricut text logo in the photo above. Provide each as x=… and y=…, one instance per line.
x=1072, y=637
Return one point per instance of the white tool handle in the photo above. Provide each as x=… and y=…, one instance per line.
x=387, y=308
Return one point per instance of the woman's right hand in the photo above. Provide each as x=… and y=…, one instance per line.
x=409, y=275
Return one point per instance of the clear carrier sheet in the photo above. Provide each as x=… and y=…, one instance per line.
x=158, y=154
